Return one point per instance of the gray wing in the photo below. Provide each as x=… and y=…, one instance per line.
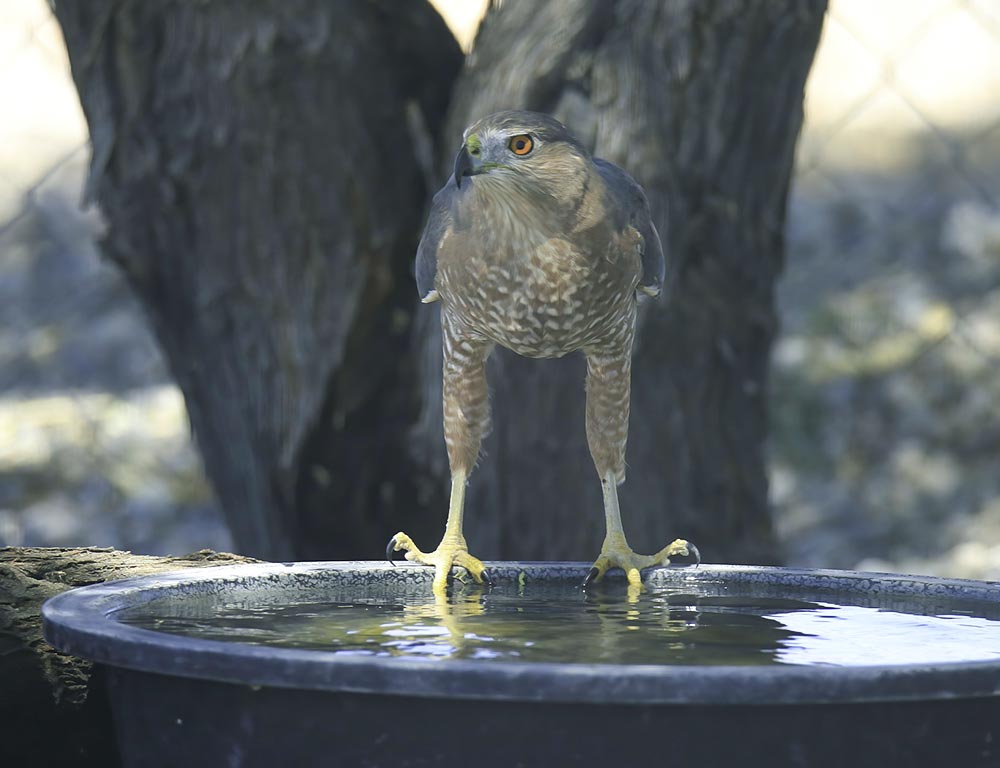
x=438, y=223
x=634, y=208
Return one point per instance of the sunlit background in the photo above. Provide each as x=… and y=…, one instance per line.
x=885, y=408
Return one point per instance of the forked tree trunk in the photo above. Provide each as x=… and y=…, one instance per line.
x=265, y=167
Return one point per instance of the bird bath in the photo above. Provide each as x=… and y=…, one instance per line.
x=358, y=664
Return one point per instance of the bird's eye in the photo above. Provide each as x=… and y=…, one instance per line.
x=521, y=145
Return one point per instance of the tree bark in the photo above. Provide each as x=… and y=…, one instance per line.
x=54, y=709
x=265, y=167
x=260, y=165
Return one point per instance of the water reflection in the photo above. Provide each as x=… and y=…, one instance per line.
x=441, y=627
x=685, y=623
x=526, y=622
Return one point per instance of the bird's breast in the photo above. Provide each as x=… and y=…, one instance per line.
x=543, y=301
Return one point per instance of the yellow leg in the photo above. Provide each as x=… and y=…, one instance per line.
x=452, y=550
x=616, y=553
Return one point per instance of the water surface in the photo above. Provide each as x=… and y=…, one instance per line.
x=696, y=623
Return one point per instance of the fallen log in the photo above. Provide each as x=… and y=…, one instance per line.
x=54, y=709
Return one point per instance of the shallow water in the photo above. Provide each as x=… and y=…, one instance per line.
x=689, y=624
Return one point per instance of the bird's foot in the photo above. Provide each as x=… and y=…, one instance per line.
x=616, y=553
x=450, y=552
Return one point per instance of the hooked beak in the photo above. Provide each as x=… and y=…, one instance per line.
x=465, y=165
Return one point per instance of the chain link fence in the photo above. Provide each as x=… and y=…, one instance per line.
x=886, y=400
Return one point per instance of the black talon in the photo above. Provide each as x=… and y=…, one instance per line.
x=695, y=553
x=487, y=578
x=594, y=573
x=390, y=548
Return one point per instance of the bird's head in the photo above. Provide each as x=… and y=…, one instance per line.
x=517, y=147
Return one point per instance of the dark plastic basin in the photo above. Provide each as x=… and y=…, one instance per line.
x=180, y=701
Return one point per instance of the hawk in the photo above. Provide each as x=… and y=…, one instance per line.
x=537, y=246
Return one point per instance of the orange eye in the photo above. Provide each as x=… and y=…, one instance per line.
x=521, y=145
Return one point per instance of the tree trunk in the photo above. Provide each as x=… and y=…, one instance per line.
x=259, y=163
x=54, y=709
x=265, y=167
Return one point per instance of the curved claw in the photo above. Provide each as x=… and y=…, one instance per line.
x=389, y=549
x=591, y=577
x=690, y=553
x=694, y=552
x=487, y=578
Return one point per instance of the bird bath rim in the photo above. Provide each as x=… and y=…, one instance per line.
x=81, y=622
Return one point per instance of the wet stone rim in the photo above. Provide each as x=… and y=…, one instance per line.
x=80, y=622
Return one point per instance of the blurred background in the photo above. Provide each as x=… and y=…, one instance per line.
x=885, y=391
